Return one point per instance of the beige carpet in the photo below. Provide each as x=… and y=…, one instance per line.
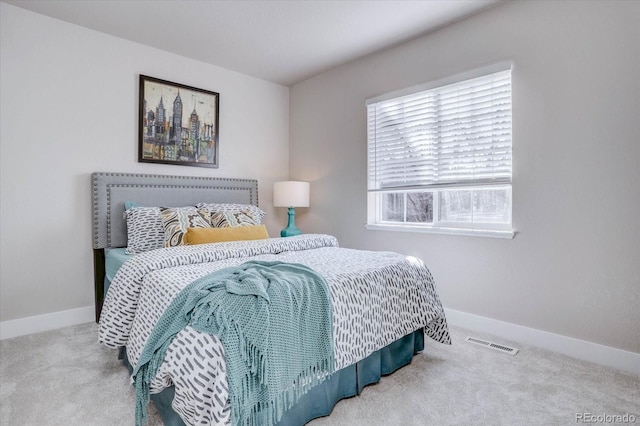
x=65, y=377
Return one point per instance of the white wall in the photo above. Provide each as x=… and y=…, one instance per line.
x=69, y=99
x=574, y=267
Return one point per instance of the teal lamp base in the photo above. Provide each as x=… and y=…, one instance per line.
x=291, y=228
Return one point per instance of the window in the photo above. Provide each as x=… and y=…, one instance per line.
x=439, y=157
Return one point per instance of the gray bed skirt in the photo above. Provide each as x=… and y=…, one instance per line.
x=321, y=399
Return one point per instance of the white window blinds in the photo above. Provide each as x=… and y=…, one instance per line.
x=454, y=135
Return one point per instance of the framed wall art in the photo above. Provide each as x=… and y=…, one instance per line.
x=178, y=124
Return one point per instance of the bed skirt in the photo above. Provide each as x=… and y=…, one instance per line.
x=320, y=400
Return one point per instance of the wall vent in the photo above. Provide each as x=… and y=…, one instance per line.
x=491, y=345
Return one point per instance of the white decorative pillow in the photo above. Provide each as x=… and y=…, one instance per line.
x=176, y=221
x=254, y=211
x=144, y=229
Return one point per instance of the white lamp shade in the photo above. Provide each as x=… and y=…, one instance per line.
x=291, y=194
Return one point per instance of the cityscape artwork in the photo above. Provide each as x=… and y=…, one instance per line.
x=178, y=124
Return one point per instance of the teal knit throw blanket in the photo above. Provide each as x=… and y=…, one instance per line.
x=274, y=321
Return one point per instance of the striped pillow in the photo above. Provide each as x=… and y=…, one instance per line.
x=144, y=229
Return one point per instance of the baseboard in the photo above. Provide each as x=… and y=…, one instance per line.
x=52, y=321
x=626, y=361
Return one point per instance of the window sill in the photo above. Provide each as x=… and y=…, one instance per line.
x=492, y=233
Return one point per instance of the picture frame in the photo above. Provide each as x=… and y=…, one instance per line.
x=178, y=124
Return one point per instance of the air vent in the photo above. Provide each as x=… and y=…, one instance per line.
x=491, y=345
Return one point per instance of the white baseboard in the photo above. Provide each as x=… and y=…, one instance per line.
x=626, y=361
x=52, y=321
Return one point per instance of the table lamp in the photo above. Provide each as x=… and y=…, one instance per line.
x=291, y=194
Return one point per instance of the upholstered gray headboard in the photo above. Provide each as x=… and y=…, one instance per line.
x=111, y=190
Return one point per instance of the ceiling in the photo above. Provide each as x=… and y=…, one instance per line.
x=280, y=41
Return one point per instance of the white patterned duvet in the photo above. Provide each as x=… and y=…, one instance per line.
x=377, y=297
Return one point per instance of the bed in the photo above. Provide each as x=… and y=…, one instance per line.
x=382, y=303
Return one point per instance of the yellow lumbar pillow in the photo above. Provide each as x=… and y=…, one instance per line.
x=219, y=235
